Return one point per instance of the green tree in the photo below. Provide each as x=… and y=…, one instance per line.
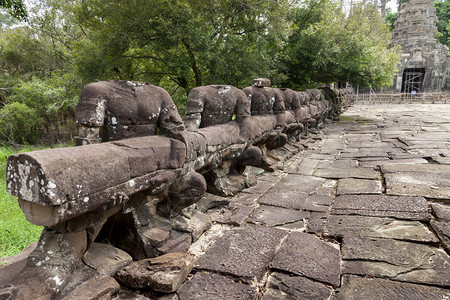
x=20, y=123
x=390, y=19
x=36, y=74
x=186, y=43
x=16, y=8
x=6, y=19
x=328, y=46
x=443, y=23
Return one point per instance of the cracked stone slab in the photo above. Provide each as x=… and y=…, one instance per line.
x=234, y=214
x=361, y=173
x=356, y=288
x=304, y=167
x=375, y=227
x=441, y=211
x=245, y=199
x=261, y=187
x=442, y=229
x=442, y=160
x=213, y=286
x=292, y=191
x=400, y=207
x=421, y=168
x=366, y=153
x=398, y=260
x=286, y=199
x=283, y=286
x=295, y=226
x=307, y=255
x=276, y=216
x=431, y=185
x=318, y=202
x=375, y=163
x=344, y=163
x=298, y=184
x=359, y=186
x=243, y=253
x=316, y=222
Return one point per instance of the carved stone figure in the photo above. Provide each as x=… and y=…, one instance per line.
x=136, y=189
x=115, y=110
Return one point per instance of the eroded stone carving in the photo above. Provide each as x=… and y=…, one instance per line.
x=136, y=189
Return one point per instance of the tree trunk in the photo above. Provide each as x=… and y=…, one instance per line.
x=195, y=69
x=383, y=8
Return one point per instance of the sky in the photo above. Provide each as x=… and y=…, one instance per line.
x=392, y=4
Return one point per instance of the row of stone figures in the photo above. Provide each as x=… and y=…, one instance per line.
x=137, y=189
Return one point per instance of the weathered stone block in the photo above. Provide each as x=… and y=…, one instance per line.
x=214, y=286
x=251, y=248
x=106, y=259
x=276, y=216
x=315, y=259
x=283, y=286
x=389, y=228
x=410, y=208
x=356, y=288
x=359, y=186
x=164, y=273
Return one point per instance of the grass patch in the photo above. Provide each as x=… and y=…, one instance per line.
x=16, y=232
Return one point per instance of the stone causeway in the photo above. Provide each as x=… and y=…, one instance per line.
x=357, y=209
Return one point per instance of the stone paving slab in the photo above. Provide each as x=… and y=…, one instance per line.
x=338, y=164
x=376, y=163
x=442, y=160
x=243, y=253
x=376, y=227
x=359, y=186
x=318, y=202
x=339, y=173
x=399, y=260
x=292, y=191
x=284, y=286
x=442, y=229
x=372, y=194
x=357, y=288
x=426, y=184
x=410, y=208
x=276, y=216
x=306, y=255
x=213, y=286
x=304, y=166
x=260, y=188
x=316, y=222
x=420, y=168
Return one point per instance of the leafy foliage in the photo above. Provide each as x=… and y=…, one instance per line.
x=20, y=122
x=328, y=46
x=443, y=23
x=186, y=43
x=16, y=8
x=390, y=19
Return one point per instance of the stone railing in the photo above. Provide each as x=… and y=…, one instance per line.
x=399, y=98
x=139, y=169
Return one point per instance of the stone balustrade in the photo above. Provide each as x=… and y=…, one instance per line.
x=139, y=166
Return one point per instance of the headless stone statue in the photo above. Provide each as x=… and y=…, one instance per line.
x=115, y=110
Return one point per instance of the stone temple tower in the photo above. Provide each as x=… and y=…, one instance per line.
x=424, y=64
